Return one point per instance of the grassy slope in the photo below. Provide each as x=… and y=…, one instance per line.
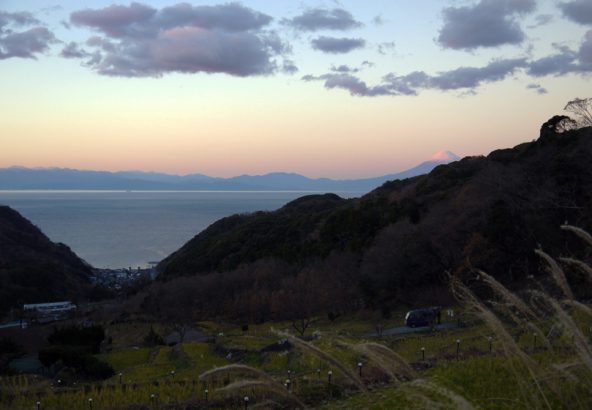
x=486, y=380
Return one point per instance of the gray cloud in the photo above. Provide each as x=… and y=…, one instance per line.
x=378, y=20
x=472, y=77
x=561, y=63
x=348, y=82
x=323, y=19
x=230, y=17
x=585, y=52
x=289, y=67
x=24, y=43
x=73, y=50
x=565, y=61
x=537, y=87
x=489, y=23
x=344, y=69
x=334, y=45
x=139, y=40
x=579, y=11
x=115, y=20
x=463, y=78
x=386, y=47
x=22, y=18
x=189, y=50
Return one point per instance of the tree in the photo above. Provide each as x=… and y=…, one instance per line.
x=296, y=301
x=153, y=339
x=582, y=109
x=559, y=124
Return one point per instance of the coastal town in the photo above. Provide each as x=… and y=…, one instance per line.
x=117, y=279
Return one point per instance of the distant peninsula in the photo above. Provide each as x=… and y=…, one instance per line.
x=18, y=178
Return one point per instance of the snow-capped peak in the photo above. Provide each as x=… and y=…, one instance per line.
x=444, y=156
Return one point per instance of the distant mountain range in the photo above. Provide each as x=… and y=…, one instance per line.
x=61, y=178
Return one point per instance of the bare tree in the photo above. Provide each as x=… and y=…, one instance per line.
x=296, y=301
x=582, y=109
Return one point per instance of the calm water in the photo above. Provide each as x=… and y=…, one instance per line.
x=121, y=229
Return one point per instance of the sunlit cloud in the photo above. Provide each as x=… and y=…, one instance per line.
x=140, y=41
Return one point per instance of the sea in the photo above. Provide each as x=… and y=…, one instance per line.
x=122, y=229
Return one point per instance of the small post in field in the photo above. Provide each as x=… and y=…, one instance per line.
x=457, y=348
x=423, y=353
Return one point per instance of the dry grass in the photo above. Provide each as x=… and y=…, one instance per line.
x=579, y=232
x=580, y=341
x=578, y=305
x=265, y=381
x=309, y=347
x=556, y=273
x=474, y=305
x=390, y=362
x=235, y=369
x=513, y=300
x=545, y=385
x=535, y=397
x=578, y=264
x=507, y=295
x=457, y=400
x=272, y=387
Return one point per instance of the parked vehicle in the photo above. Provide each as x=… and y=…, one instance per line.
x=421, y=317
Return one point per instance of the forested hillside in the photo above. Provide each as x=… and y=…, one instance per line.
x=395, y=244
x=33, y=269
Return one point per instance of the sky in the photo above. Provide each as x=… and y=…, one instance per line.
x=324, y=88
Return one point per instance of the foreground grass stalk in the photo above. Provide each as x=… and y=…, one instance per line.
x=323, y=356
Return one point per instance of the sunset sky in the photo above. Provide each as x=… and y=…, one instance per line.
x=337, y=89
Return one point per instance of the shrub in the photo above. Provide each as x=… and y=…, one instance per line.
x=153, y=339
x=91, y=337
